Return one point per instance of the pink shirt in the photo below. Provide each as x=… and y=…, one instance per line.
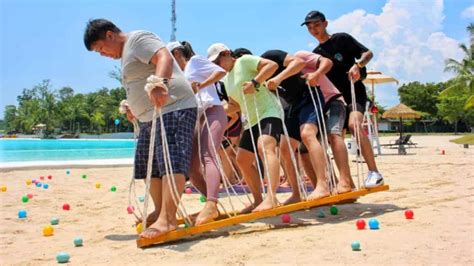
x=327, y=88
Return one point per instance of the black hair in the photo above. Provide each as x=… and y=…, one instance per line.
x=187, y=50
x=237, y=53
x=96, y=30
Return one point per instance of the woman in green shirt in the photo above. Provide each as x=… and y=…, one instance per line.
x=247, y=93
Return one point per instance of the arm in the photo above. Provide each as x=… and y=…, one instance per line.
x=213, y=78
x=265, y=69
x=354, y=72
x=325, y=64
x=293, y=65
x=164, y=69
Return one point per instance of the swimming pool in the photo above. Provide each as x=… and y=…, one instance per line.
x=24, y=150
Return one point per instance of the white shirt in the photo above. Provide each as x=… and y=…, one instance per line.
x=198, y=69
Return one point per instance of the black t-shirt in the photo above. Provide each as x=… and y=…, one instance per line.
x=343, y=49
x=294, y=88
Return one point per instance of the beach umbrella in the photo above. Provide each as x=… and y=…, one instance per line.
x=376, y=77
x=401, y=112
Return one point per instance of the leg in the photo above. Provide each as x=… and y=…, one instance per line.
x=195, y=175
x=211, y=141
x=267, y=147
x=167, y=219
x=245, y=160
x=308, y=168
x=318, y=161
x=155, y=193
x=365, y=145
x=339, y=151
x=290, y=170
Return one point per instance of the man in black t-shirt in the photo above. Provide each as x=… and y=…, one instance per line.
x=301, y=120
x=343, y=50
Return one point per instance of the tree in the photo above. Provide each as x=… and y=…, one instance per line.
x=10, y=118
x=451, y=108
x=464, y=71
x=421, y=97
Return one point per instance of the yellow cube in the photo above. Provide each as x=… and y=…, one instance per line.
x=97, y=185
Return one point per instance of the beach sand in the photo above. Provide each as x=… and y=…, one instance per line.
x=438, y=188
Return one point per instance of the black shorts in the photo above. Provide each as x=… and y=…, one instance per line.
x=270, y=126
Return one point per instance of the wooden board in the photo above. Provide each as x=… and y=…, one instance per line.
x=228, y=221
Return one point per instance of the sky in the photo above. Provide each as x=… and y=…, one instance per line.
x=43, y=39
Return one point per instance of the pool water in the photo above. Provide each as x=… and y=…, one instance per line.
x=22, y=150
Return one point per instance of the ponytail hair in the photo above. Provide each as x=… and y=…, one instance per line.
x=187, y=50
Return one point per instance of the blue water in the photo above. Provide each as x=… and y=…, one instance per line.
x=21, y=150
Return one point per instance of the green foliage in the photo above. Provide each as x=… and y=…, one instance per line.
x=464, y=70
x=421, y=97
x=66, y=110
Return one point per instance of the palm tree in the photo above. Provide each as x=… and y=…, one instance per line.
x=464, y=80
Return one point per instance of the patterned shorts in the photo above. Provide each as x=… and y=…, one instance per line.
x=179, y=127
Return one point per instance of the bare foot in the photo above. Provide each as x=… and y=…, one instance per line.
x=293, y=199
x=343, y=188
x=158, y=228
x=152, y=217
x=247, y=209
x=208, y=213
x=319, y=193
x=267, y=204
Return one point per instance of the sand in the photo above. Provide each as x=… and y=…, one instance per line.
x=438, y=188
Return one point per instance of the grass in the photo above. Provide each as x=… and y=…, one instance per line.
x=468, y=139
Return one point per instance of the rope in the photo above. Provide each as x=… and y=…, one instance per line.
x=360, y=168
x=322, y=129
x=254, y=147
x=301, y=186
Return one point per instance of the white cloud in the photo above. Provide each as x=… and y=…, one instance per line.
x=407, y=44
x=468, y=13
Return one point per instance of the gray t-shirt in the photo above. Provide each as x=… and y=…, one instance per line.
x=136, y=68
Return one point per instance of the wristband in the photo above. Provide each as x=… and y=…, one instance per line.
x=359, y=65
x=255, y=83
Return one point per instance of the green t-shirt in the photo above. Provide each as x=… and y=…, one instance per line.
x=245, y=69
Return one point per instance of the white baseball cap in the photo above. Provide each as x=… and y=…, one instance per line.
x=173, y=45
x=214, y=50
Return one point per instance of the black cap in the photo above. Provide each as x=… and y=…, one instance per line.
x=313, y=16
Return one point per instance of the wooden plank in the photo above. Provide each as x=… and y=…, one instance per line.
x=184, y=232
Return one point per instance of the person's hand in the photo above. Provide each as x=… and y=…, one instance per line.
x=354, y=73
x=312, y=78
x=196, y=86
x=159, y=95
x=157, y=90
x=124, y=108
x=130, y=116
x=248, y=87
x=273, y=83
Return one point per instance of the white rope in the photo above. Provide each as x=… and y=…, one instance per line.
x=360, y=167
x=239, y=178
x=170, y=174
x=265, y=161
x=322, y=129
x=151, y=148
x=301, y=184
x=254, y=147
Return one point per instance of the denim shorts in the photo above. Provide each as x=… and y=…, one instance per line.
x=303, y=113
x=336, y=116
x=179, y=126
